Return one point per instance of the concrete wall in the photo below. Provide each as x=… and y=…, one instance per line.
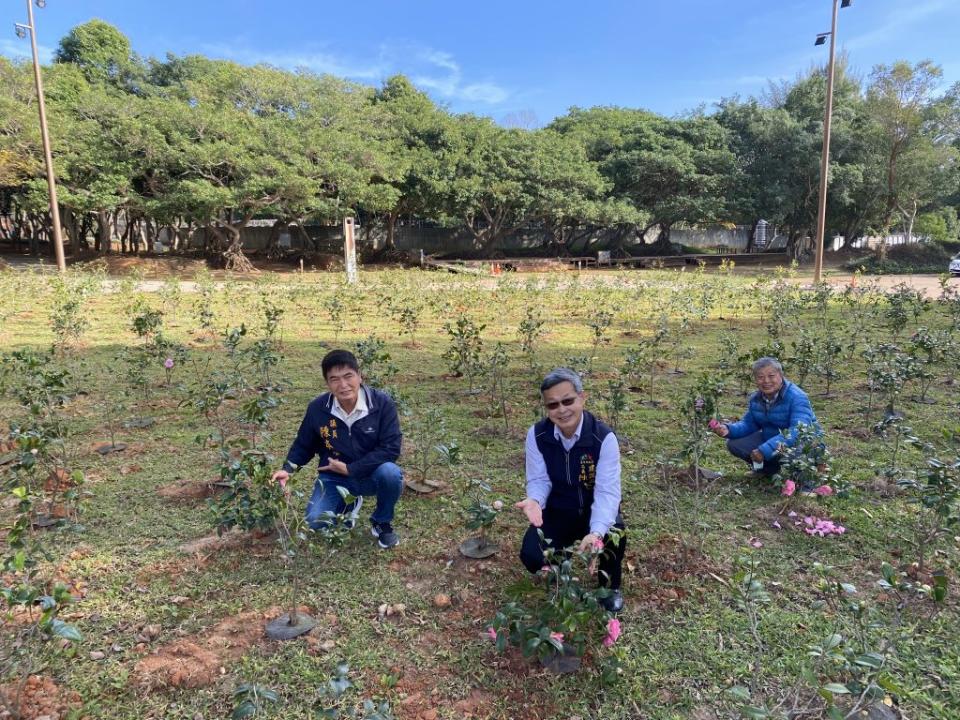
x=459, y=240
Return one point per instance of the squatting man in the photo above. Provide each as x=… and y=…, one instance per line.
x=573, y=483
x=355, y=431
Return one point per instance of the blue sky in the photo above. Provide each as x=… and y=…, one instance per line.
x=527, y=61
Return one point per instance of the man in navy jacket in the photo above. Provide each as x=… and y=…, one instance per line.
x=573, y=483
x=355, y=431
x=777, y=405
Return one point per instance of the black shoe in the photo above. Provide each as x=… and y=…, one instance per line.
x=612, y=603
x=386, y=537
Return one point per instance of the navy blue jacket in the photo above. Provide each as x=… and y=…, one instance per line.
x=372, y=441
x=790, y=407
x=573, y=475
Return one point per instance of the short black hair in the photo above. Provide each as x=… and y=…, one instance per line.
x=338, y=358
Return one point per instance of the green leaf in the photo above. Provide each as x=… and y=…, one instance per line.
x=888, y=684
x=870, y=660
x=244, y=710
x=836, y=689
x=739, y=693
x=65, y=630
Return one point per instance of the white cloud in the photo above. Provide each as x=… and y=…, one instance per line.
x=20, y=49
x=450, y=85
x=318, y=62
x=435, y=71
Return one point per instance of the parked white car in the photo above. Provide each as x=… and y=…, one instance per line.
x=955, y=265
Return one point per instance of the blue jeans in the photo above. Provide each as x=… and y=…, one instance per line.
x=742, y=447
x=386, y=482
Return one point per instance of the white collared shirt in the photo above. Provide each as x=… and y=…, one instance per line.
x=360, y=410
x=569, y=442
x=606, y=494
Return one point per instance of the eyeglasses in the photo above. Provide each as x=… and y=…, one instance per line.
x=566, y=402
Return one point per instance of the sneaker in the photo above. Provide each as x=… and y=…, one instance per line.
x=351, y=520
x=613, y=603
x=386, y=537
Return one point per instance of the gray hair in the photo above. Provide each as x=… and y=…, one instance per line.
x=764, y=362
x=559, y=375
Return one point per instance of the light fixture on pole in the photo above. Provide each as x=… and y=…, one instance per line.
x=22, y=31
x=825, y=156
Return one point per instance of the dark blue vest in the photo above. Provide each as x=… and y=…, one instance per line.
x=573, y=474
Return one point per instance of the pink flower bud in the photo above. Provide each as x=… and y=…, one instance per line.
x=498, y=505
x=713, y=424
x=168, y=363
x=613, y=632
x=556, y=636
x=789, y=488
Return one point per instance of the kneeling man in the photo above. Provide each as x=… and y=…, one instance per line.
x=573, y=482
x=356, y=432
x=771, y=421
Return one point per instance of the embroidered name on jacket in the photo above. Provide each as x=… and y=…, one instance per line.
x=588, y=471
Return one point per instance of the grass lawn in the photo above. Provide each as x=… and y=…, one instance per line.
x=171, y=615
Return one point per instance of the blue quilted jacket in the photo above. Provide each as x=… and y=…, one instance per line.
x=790, y=407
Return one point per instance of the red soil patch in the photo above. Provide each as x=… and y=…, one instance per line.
x=186, y=489
x=41, y=698
x=663, y=570
x=196, y=662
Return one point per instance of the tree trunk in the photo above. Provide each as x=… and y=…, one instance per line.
x=391, y=231
x=752, y=239
x=103, y=232
x=233, y=256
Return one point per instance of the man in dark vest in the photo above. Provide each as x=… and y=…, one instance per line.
x=573, y=482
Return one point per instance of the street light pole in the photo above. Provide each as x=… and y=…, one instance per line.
x=45, y=136
x=825, y=156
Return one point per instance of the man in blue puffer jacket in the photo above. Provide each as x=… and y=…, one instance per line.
x=777, y=405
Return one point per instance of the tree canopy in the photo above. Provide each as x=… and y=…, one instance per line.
x=192, y=142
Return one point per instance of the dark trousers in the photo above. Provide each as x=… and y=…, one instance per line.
x=742, y=447
x=563, y=528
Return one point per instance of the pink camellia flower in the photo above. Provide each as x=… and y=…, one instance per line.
x=546, y=570
x=498, y=505
x=613, y=632
x=598, y=544
x=713, y=424
x=168, y=363
x=824, y=490
x=556, y=636
x=789, y=488
x=492, y=634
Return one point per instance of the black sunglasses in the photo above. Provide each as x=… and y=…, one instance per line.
x=554, y=404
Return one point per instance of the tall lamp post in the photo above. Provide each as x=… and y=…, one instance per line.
x=22, y=31
x=825, y=157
